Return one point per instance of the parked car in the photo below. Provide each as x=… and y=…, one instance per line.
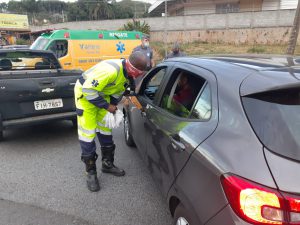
x=34, y=88
x=230, y=153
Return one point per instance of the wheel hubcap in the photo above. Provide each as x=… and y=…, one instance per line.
x=182, y=221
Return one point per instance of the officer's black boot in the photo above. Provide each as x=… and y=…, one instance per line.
x=108, y=166
x=91, y=170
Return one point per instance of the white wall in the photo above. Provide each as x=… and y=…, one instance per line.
x=282, y=18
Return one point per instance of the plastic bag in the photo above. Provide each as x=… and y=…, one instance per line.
x=113, y=120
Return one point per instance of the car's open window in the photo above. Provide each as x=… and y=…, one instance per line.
x=187, y=95
x=152, y=82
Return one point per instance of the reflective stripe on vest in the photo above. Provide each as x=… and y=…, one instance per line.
x=112, y=63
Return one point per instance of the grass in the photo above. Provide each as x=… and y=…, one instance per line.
x=204, y=48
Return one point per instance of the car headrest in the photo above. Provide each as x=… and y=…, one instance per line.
x=5, y=64
x=41, y=65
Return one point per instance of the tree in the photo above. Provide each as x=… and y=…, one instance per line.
x=3, y=7
x=294, y=32
x=53, y=11
x=136, y=25
x=101, y=10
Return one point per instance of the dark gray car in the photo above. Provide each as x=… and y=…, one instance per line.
x=221, y=137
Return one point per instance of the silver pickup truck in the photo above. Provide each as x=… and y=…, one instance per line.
x=34, y=88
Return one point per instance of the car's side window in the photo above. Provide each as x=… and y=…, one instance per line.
x=185, y=95
x=154, y=82
x=202, y=109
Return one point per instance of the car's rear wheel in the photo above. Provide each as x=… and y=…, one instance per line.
x=127, y=132
x=182, y=216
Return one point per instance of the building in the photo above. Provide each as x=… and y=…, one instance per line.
x=11, y=26
x=193, y=7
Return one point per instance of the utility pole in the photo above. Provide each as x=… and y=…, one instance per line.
x=135, y=9
x=165, y=30
x=294, y=32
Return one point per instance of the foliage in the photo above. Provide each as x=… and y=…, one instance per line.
x=200, y=48
x=137, y=25
x=3, y=7
x=256, y=50
x=55, y=11
x=21, y=41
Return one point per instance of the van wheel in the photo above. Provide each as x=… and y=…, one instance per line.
x=183, y=216
x=127, y=132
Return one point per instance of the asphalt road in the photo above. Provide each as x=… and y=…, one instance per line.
x=42, y=182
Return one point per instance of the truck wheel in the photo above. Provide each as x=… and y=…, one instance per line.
x=127, y=132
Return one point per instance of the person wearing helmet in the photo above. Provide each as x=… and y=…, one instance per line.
x=98, y=92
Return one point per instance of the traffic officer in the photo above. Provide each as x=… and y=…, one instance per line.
x=146, y=50
x=98, y=92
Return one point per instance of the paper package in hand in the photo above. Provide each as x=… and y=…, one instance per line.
x=113, y=120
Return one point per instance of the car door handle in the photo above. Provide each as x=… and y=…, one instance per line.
x=176, y=143
x=46, y=82
x=67, y=64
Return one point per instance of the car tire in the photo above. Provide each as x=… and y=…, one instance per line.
x=127, y=132
x=183, y=216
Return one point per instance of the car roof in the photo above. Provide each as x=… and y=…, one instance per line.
x=24, y=50
x=257, y=73
x=255, y=62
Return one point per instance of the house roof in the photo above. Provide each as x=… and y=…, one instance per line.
x=158, y=7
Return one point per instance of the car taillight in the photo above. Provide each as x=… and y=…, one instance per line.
x=293, y=206
x=260, y=205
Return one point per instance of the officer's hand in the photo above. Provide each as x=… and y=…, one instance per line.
x=112, y=108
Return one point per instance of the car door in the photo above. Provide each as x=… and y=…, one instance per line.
x=173, y=132
x=150, y=88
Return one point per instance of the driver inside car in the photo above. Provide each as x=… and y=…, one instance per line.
x=181, y=97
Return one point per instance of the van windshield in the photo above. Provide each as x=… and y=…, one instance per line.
x=275, y=118
x=40, y=43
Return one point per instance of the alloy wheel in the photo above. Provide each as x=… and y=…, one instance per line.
x=126, y=128
x=182, y=221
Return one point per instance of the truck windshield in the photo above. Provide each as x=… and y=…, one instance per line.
x=27, y=60
x=40, y=43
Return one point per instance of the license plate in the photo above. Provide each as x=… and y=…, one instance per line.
x=48, y=104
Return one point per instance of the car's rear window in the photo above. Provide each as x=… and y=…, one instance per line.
x=275, y=118
x=23, y=60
